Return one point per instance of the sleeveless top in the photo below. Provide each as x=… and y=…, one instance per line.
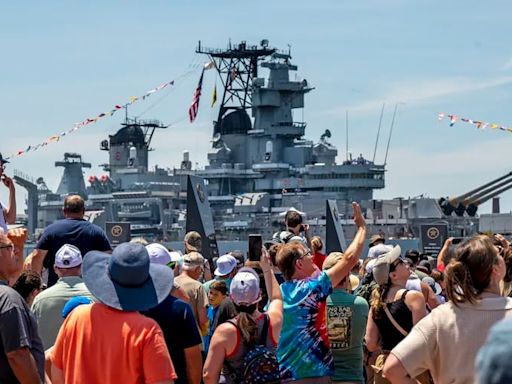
x=389, y=335
x=235, y=360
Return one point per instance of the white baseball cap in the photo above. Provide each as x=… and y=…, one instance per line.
x=68, y=256
x=245, y=287
x=158, y=254
x=225, y=264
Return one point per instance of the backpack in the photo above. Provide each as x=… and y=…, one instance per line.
x=260, y=365
x=365, y=291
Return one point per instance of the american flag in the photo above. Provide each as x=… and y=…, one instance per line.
x=194, y=107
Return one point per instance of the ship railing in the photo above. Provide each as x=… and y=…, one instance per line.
x=21, y=175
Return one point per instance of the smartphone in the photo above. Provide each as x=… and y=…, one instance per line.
x=255, y=244
x=457, y=240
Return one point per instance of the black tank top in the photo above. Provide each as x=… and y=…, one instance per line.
x=389, y=335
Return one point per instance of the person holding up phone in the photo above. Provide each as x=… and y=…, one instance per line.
x=255, y=244
x=295, y=225
x=8, y=215
x=441, y=262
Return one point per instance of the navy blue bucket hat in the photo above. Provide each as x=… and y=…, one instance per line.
x=126, y=280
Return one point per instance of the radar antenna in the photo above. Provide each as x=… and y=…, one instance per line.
x=148, y=128
x=237, y=66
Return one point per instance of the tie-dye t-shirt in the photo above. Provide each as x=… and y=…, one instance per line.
x=303, y=349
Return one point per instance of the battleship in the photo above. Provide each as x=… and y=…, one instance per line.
x=261, y=164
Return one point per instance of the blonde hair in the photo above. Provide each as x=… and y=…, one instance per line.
x=316, y=244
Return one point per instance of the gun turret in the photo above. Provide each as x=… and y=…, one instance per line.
x=475, y=197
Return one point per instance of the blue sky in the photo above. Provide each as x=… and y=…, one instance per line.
x=64, y=61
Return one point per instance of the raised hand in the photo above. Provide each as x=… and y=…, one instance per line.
x=265, y=262
x=7, y=181
x=358, y=215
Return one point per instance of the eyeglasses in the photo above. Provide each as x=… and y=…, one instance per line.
x=7, y=246
x=308, y=253
x=171, y=264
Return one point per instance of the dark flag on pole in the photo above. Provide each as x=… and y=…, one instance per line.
x=194, y=107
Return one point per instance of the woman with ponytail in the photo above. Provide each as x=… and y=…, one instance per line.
x=235, y=338
x=447, y=340
x=394, y=310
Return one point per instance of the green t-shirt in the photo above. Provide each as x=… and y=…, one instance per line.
x=347, y=315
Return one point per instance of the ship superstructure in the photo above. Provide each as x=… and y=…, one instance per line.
x=263, y=164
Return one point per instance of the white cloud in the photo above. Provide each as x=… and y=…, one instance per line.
x=422, y=91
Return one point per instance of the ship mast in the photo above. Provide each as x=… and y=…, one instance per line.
x=237, y=66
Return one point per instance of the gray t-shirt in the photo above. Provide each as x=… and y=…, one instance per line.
x=18, y=329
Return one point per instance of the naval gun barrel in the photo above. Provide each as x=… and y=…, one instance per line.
x=473, y=205
x=459, y=203
x=459, y=211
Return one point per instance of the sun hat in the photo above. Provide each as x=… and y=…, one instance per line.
x=225, y=264
x=158, y=254
x=245, y=287
x=381, y=268
x=68, y=256
x=126, y=280
x=376, y=238
x=354, y=282
x=493, y=359
x=369, y=265
x=331, y=260
x=192, y=260
x=193, y=240
x=432, y=284
x=378, y=250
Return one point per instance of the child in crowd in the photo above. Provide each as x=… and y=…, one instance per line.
x=218, y=292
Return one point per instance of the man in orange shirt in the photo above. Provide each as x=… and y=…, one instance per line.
x=110, y=341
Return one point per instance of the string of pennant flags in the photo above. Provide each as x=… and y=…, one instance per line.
x=479, y=124
x=92, y=120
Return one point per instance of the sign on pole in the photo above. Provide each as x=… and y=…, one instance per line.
x=117, y=232
x=432, y=237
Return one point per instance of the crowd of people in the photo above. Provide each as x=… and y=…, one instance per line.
x=76, y=310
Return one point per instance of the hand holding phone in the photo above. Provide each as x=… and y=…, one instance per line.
x=255, y=244
x=457, y=240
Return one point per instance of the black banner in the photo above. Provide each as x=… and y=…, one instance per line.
x=432, y=237
x=118, y=232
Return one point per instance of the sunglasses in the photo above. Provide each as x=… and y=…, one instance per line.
x=171, y=264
